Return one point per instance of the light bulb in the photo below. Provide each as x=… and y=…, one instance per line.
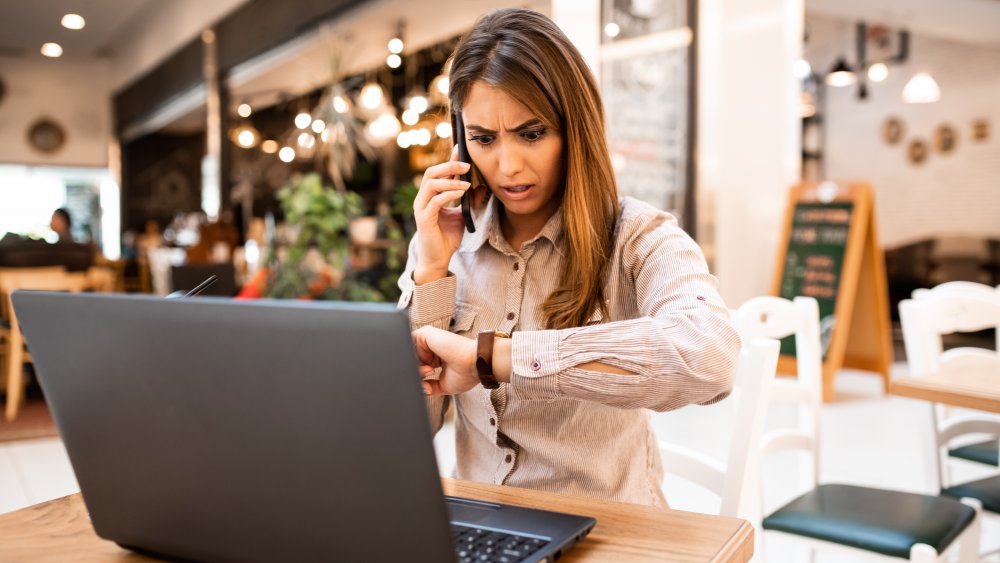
x=246, y=138
x=371, y=95
x=53, y=50
x=286, y=154
x=303, y=120
x=418, y=104
x=73, y=21
x=878, y=72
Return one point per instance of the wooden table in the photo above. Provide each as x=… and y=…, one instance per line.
x=969, y=389
x=60, y=530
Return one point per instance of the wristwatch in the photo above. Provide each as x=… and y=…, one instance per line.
x=484, y=357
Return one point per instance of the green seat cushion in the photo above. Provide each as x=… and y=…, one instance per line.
x=986, y=491
x=983, y=452
x=877, y=520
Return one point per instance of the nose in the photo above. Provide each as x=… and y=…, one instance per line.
x=509, y=160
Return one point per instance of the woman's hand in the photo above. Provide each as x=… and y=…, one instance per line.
x=454, y=354
x=439, y=228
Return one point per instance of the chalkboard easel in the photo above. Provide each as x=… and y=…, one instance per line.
x=830, y=252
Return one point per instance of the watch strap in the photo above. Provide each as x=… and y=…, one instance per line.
x=484, y=357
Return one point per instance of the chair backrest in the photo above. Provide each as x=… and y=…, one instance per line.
x=41, y=280
x=754, y=376
x=946, y=309
x=776, y=317
x=17, y=272
x=960, y=290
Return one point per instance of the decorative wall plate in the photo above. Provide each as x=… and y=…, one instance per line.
x=46, y=136
x=917, y=151
x=980, y=130
x=945, y=138
x=892, y=130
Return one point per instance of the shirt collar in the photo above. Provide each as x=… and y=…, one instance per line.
x=488, y=229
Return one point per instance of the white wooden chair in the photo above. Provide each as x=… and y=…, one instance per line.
x=844, y=517
x=925, y=353
x=735, y=481
x=14, y=350
x=950, y=308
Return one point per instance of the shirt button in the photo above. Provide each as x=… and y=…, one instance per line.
x=701, y=298
x=508, y=458
x=535, y=365
x=493, y=422
x=516, y=266
x=510, y=316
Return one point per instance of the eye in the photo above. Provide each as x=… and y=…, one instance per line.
x=534, y=135
x=482, y=139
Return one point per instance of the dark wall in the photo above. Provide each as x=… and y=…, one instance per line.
x=161, y=177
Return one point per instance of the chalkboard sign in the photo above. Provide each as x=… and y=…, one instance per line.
x=814, y=261
x=830, y=252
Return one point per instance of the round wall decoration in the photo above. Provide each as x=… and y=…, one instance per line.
x=892, y=130
x=46, y=136
x=945, y=138
x=917, y=151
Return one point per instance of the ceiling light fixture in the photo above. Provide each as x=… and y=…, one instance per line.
x=73, y=21
x=53, y=50
x=921, y=89
x=841, y=74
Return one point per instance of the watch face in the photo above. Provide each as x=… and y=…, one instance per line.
x=46, y=136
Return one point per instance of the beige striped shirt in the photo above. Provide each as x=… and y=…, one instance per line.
x=555, y=426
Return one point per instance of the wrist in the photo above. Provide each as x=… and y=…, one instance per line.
x=502, y=363
x=423, y=276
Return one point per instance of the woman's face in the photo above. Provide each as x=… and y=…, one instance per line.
x=516, y=154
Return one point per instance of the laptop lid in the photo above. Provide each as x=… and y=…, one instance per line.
x=210, y=429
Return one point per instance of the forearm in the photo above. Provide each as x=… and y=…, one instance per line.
x=630, y=364
x=502, y=362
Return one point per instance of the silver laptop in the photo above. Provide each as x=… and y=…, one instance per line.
x=220, y=430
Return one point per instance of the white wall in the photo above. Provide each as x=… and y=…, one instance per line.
x=748, y=138
x=73, y=93
x=954, y=194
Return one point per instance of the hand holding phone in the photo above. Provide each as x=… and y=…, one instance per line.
x=463, y=156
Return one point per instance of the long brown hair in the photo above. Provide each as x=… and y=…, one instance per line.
x=524, y=54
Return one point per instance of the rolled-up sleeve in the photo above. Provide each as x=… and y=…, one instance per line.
x=680, y=349
x=428, y=304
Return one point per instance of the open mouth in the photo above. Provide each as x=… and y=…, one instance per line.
x=517, y=189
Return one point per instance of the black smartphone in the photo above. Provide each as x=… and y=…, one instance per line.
x=463, y=155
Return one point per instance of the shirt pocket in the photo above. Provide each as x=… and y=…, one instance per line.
x=465, y=318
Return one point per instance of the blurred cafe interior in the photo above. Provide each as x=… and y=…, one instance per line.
x=836, y=161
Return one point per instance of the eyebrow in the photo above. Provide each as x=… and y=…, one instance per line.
x=533, y=122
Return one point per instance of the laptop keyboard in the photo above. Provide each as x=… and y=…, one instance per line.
x=478, y=545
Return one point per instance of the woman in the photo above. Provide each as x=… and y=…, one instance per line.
x=610, y=304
